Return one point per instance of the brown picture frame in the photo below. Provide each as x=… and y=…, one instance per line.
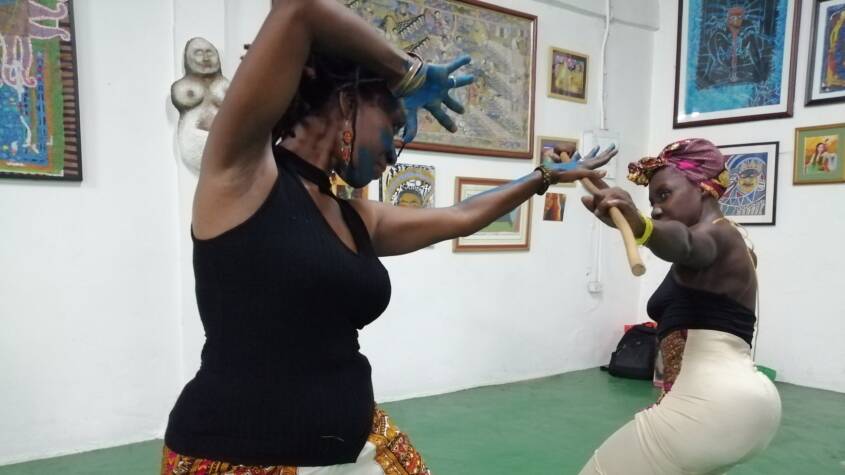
x=499, y=238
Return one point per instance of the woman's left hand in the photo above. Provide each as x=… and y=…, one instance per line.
x=564, y=160
x=434, y=94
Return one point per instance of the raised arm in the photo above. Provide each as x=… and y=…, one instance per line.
x=269, y=75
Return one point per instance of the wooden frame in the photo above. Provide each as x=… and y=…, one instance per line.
x=507, y=241
x=738, y=204
x=54, y=138
x=551, y=89
x=749, y=111
x=801, y=158
x=463, y=145
x=814, y=77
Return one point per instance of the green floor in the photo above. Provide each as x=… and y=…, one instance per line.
x=546, y=426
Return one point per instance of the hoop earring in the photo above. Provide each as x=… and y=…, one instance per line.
x=346, y=137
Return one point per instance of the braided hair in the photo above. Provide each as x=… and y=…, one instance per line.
x=322, y=78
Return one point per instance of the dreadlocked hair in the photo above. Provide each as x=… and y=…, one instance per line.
x=322, y=78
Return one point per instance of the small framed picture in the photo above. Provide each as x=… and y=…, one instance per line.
x=826, y=67
x=752, y=193
x=568, y=75
x=511, y=232
x=408, y=186
x=554, y=205
x=818, y=155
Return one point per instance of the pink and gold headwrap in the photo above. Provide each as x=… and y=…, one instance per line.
x=698, y=159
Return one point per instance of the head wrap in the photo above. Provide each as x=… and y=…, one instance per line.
x=698, y=159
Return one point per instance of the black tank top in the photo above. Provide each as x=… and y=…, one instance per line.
x=674, y=306
x=281, y=298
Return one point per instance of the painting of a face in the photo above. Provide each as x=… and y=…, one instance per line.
x=748, y=181
x=201, y=57
x=409, y=199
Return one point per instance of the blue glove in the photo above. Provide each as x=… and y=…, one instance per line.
x=434, y=93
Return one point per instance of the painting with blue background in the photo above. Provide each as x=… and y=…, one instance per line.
x=735, y=54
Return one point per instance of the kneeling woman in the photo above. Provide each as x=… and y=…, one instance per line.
x=719, y=411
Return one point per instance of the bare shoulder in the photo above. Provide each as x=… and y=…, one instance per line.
x=369, y=212
x=226, y=198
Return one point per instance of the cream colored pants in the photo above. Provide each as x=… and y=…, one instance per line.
x=720, y=412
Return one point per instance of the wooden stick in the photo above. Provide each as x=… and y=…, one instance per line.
x=631, y=248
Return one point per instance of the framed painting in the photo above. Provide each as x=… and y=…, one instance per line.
x=818, y=155
x=568, y=75
x=554, y=204
x=751, y=197
x=511, y=232
x=39, y=99
x=410, y=186
x=826, y=66
x=499, y=117
x=735, y=60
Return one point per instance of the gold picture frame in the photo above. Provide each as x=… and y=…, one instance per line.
x=568, y=75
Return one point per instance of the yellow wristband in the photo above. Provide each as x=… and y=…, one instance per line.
x=649, y=228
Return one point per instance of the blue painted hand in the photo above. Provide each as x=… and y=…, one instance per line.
x=433, y=94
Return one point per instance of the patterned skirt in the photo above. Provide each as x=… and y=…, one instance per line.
x=387, y=452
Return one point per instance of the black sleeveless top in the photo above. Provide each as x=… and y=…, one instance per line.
x=281, y=298
x=674, y=306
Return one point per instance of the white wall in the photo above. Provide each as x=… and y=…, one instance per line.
x=88, y=276
x=462, y=320
x=801, y=273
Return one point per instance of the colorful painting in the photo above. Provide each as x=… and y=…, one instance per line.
x=39, y=119
x=511, y=232
x=346, y=192
x=499, y=117
x=568, y=79
x=752, y=193
x=735, y=60
x=410, y=186
x=553, y=206
x=826, y=73
x=818, y=154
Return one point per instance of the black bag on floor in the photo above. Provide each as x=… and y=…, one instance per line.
x=635, y=354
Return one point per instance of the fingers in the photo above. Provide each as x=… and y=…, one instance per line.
x=463, y=60
x=440, y=114
x=410, y=127
x=453, y=104
x=576, y=157
x=601, y=160
x=589, y=203
x=463, y=80
x=592, y=153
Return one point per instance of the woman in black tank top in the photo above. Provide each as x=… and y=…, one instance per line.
x=286, y=272
x=716, y=410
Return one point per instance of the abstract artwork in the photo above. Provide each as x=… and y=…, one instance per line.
x=39, y=116
x=410, y=186
x=568, y=79
x=510, y=232
x=546, y=148
x=735, y=60
x=826, y=67
x=819, y=152
x=499, y=117
x=553, y=207
x=752, y=192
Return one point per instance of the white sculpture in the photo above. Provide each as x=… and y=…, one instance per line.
x=197, y=97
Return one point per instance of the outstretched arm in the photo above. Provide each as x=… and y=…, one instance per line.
x=397, y=230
